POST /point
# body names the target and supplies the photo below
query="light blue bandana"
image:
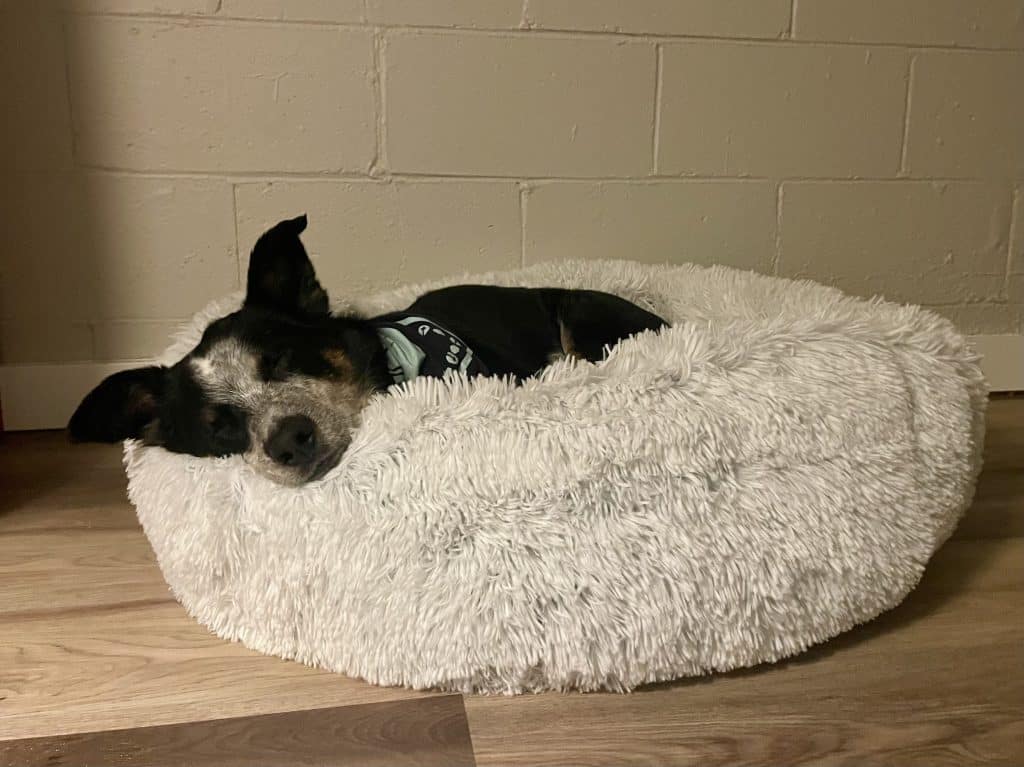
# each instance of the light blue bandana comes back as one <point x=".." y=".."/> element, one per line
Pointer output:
<point x="416" y="346"/>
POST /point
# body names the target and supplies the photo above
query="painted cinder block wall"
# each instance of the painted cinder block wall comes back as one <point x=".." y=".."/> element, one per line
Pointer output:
<point x="874" y="144"/>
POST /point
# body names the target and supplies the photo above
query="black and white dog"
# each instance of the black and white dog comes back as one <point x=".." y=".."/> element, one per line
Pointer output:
<point x="282" y="381"/>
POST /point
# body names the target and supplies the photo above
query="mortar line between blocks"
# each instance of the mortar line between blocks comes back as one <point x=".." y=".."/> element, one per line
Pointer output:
<point x="777" y="255"/>
<point x="265" y="176"/>
<point x="524" y="190"/>
<point x="905" y="138"/>
<point x="1015" y="224"/>
<point x="238" y="251"/>
<point x="380" y="137"/>
<point x="64" y="37"/>
<point x="659" y="67"/>
<point x="524" y="15"/>
<point x="117" y="320"/>
<point x="533" y="32"/>
<point x="965" y="304"/>
<point x="90" y="327"/>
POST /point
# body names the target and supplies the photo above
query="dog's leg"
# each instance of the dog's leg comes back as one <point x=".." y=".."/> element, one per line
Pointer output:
<point x="590" y="321"/>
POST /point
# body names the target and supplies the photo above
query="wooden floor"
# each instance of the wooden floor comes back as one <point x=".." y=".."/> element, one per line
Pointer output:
<point x="100" y="666"/>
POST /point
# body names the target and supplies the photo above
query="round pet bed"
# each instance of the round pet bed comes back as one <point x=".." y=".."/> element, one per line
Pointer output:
<point x="775" y="468"/>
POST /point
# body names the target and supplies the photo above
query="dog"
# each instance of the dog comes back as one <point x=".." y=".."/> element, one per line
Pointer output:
<point x="282" y="381"/>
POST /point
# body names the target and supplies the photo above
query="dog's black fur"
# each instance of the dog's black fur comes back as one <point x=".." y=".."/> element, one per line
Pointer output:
<point x="283" y="345"/>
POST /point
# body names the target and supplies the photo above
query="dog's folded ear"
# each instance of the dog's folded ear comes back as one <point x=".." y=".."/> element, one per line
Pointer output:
<point x="281" y="276"/>
<point x="125" y="405"/>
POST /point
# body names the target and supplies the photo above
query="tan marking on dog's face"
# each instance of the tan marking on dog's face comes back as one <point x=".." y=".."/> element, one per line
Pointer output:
<point x="338" y="360"/>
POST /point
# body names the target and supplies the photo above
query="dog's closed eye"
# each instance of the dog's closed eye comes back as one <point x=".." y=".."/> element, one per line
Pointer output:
<point x="274" y="365"/>
<point x="227" y="427"/>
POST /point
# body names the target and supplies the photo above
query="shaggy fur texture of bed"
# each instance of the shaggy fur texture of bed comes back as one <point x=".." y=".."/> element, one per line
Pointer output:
<point x="772" y="470"/>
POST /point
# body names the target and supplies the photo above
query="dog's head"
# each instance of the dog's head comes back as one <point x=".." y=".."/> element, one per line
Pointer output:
<point x="280" y="381"/>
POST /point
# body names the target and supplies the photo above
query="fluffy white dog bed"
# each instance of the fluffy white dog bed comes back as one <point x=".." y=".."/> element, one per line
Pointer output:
<point x="774" y="469"/>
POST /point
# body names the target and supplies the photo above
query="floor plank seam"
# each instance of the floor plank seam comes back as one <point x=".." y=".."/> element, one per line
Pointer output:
<point x="49" y="613"/>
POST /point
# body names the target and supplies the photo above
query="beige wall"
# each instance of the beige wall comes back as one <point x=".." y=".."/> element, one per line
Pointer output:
<point x="874" y="144"/>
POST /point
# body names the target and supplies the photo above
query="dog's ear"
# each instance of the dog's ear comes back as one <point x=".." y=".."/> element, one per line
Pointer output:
<point x="281" y="276"/>
<point x="125" y="405"/>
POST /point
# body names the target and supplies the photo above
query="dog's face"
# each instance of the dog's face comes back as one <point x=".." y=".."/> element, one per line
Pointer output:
<point x="280" y="381"/>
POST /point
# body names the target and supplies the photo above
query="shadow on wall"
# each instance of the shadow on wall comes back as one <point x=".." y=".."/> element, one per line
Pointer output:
<point x="48" y="270"/>
<point x="92" y="260"/>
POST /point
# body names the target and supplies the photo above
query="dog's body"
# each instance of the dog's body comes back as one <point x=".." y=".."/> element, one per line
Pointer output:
<point x="518" y="331"/>
<point x="282" y="381"/>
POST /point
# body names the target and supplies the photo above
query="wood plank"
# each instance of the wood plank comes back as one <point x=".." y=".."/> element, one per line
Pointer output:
<point x="134" y="666"/>
<point x="1004" y="436"/>
<point x="24" y="448"/>
<point x="972" y="565"/>
<point x="49" y="483"/>
<point x="811" y="735"/>
<point x="52" y="512"/>
<point x="40" y="491"/>
<point x="871" y="736"/>
<point x="57" y="570"/>
<point x="426" y="731"/>
<point x="998" y="508"/>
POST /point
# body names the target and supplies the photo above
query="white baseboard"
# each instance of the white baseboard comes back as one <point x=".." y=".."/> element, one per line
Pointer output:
<point x="44" y="396"/>
<point x="1002" y="359"/>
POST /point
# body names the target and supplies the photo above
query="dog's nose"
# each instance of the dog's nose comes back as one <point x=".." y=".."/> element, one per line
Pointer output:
<point x="292" y="441"/>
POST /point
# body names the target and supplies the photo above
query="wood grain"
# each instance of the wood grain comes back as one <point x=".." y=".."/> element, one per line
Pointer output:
<point x="996" y="511"/>
<point x="139" y="665"/>
<point x="1004" y="437"/>
<point x="46" y="484"/>
<point x="998" y="508"/>
<point x="428" y="731"/>
<point x="91" y="641"/>
<point x="56" y="570"/>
